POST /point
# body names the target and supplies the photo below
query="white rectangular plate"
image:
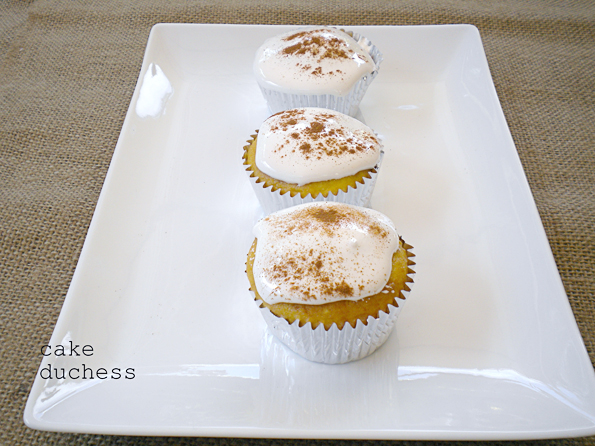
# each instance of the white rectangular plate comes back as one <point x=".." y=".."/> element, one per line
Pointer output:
<point x="486" y="348"/>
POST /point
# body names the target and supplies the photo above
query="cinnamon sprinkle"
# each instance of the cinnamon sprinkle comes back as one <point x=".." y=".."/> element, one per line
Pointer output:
<point x="315" y="44"/>
<point x="312" y="272"/>
<point x="316" y="138"/>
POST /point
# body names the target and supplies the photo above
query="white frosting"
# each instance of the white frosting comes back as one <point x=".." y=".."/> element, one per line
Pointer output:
<point x="317" y="253"/>
<point x="318" y="60"/>
<point x="305" y="145"/>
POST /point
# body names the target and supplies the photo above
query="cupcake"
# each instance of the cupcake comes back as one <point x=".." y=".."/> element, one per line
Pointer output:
<point x="312" y="154"/>
<point x="316" y="67"/>
<point x="330" y="279"/>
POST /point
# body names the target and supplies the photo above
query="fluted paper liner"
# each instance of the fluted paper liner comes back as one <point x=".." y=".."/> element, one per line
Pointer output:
<point x="347" y="104"/>
<point x="338" y="346"/>
<point x="274" y="200"/>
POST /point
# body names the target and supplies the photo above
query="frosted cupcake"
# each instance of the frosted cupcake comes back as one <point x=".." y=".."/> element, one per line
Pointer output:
<point x="330" y="279"/>
<point x="312" y="154"/>
<point x="316" y="67"/>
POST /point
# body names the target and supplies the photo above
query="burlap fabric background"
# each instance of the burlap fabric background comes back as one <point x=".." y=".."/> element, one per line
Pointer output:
<point x="67" y="72"/>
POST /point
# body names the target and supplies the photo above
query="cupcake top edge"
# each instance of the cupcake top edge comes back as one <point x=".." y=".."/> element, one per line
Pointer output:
<point x="313" y="60"/>
<point x="323" y="252"/>
<point x="306" y="145"/>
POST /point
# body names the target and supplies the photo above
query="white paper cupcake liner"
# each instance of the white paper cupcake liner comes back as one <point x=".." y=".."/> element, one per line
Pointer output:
<point x="347" y="104"/>
<point x="334" y="346"/>
<point x="272" y="201"/>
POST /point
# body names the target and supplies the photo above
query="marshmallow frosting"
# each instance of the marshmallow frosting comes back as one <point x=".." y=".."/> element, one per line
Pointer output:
<point x="324" y="252"/>
<point x="305" y="145"/>
<point x="318" y="60"/>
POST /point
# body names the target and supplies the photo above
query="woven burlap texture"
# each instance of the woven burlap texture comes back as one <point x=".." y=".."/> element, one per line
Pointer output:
<point x="67" y="73"/>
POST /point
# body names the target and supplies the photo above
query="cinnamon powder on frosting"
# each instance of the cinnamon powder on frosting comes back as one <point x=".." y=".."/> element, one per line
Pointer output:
<point x="319" y="47"/>
<point x="315" y="44"/>
<point x="316" y="271"/>
<point x="318" y="139"/>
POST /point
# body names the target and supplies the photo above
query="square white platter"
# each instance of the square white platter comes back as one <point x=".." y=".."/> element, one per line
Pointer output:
<point x="486" y="348"/>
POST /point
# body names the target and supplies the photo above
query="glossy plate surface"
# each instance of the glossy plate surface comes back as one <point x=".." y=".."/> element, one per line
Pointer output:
<point x="486" y="348"/>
